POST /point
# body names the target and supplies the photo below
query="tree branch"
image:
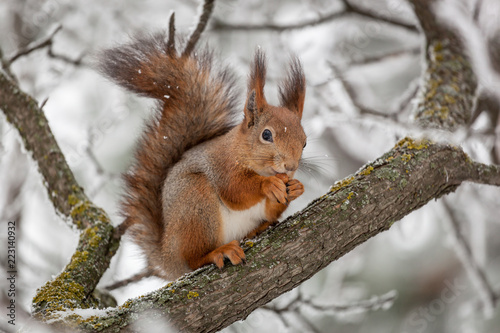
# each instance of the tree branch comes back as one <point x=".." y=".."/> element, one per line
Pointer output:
<point x="382" y="57"/>
<point x="6" y="66"/>
<point x="74" y="286"/>
<point x="47" y="41"/>
<point x="23" y="112"/>
<point x="208" y="7"/>
<point x="6" y="62"/>
<point x="449" y="83"/>
<point x="475" y="272"/>
<point x="354" y="210"/>
<point x="349" y="9"/>
<point x="373" y="303"/>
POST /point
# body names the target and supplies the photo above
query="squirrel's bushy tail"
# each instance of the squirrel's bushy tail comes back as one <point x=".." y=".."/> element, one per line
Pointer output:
<point x="196" y="102"/>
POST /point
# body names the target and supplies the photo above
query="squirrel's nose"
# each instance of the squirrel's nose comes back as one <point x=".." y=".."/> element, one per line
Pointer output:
<point x="291" y="166"/>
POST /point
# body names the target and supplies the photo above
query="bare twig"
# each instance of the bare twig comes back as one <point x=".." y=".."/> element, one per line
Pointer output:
<point x="135" y="278"/>
<point x="355" y="9"/>
<point x="75" y="62"/>
<point x="6" y="67"/>
<point x="349" y="9"/>
<point x="293" y="306"/>
<point x="474" y="271"/>
<point x="171" y="33"/>
<point x="406" y="97"/>
<point x="43" y="103"/>
<point x="477" y="10"/>
<point x="105" y="176"/>
<point x="90" y="153"/>
<point x="351" y="95"/>
<point x="383" y="301"/>
<point x="208" y="7"/>
<point x="382" y="57"/>
<point x="47" y="41"/>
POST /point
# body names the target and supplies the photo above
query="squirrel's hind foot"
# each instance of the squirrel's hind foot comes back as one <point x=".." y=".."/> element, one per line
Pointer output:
<point x="231" y="250"/>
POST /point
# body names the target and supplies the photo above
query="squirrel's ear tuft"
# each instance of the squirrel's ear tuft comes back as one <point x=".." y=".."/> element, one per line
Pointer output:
<point x="250" y="109"/>
<point x="256" y="99"/>
<point x="292" y="91"/>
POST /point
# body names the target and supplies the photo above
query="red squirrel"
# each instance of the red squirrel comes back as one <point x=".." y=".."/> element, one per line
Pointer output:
<point x="200" y="183"/>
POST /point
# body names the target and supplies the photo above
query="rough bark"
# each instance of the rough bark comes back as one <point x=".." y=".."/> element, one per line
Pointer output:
<point x="75" y="285"/>
<point x="448" y="87"/>
<point x="354" y="210"/>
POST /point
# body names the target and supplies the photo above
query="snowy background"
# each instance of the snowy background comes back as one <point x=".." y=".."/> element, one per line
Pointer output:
<point x="362" y="75"/>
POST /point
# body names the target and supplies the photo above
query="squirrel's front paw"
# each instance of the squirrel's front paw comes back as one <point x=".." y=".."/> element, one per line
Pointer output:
<point x="294" y="189"/>
<point x="274" y="189"/>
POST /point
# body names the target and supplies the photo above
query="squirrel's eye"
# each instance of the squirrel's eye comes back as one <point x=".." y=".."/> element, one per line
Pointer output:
<point x="305" y="144"/>
<point x="267" y="135"/>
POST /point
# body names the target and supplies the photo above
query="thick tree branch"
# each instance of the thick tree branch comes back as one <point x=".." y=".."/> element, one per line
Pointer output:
<point x="23" y="112"/>
<point x="448" y="89"/>
<point x="354" y="210"/>
<point x="74" y="286"/>
<point x="447" y="96"/>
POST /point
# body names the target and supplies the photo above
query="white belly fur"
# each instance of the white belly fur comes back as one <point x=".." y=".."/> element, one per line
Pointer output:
<point x="238" y="223"/>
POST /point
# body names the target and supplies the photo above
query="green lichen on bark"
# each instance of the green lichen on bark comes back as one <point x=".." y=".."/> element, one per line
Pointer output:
<point x="448" y="87"/>
<point x="413" y="144"/>
<point x="74" y="287"/>
<point x="336" y="223"/>
<point x="342" y="183"/>
<point x="61" y="294"/>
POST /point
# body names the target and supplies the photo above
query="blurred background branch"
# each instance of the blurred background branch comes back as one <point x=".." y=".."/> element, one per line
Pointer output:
<point x="349" y="9"/>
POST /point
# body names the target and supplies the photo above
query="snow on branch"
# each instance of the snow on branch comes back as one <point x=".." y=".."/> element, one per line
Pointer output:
<point x="400" y="181"/>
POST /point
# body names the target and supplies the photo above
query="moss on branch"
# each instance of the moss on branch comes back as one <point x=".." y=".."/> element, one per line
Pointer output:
<point x="354" y="210"/>
<point x="448" y="85"/>
<point x="74" y="287"/>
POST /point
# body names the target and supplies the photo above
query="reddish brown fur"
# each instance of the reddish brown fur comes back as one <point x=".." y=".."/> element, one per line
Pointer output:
<point x="192" y="163"/>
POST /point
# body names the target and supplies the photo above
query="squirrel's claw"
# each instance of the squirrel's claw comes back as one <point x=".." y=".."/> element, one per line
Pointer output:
<point x="231" y="250"/>
<point x="294" y="189"/>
